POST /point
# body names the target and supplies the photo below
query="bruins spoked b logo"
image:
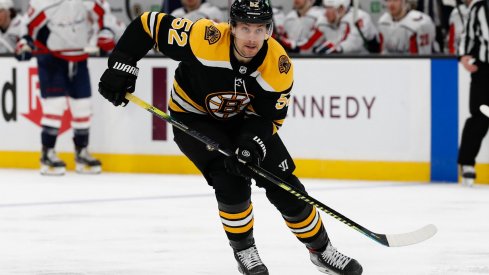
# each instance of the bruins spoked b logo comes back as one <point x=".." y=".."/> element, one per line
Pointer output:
<point x="283" y="64"/>
<point x="212" y="34"/>
<point x="225" y="105"/>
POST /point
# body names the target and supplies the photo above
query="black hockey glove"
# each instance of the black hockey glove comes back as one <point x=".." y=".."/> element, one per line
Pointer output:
<point x="119" y="78"/>
<point x="249" y="151"/>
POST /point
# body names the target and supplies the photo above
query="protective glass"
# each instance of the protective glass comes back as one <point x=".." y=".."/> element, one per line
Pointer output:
<point x="254" y="32"/>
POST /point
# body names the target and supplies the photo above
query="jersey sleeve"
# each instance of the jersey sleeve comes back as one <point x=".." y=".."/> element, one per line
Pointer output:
<point x="351" y="40"/>
<point x="108" y="19"/>
<point x="36" y="21"/>
<point x="267" y="112"/>
<point x="426" y="37"/>
<point x="367" y="26"/>
<point x="98" y="12"/>
<point x="102" y="20"/>
<point x="168" y="34"/>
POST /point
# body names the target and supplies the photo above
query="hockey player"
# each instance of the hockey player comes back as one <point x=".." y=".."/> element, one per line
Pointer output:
<point x="11" y="25"/>
<point x="195" y="9"/>
<point x="233" y="85"/>
<point x="300" y="27"/>
<point x="346" y="30"/>
<point x="62" y="29"/>
<point x="456" y="26"/>
<point x="406" y="31"/>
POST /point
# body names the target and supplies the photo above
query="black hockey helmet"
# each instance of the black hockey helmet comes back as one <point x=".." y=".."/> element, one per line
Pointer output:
<point x="251" y="11"/>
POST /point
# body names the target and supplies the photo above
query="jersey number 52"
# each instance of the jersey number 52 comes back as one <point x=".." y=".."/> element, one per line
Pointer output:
<point x="180" y="38"/>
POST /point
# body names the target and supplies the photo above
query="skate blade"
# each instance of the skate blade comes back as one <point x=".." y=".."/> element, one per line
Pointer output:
<point x="52" y="171"/>
<point x="88" y="170"/>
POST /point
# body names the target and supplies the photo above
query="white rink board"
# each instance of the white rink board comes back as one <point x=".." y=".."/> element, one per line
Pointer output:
<point x="398" y="127"/>
<point x="114" y="130"/>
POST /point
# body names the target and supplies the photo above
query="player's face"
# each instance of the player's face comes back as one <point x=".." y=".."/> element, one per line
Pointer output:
<point x="300" y="4"/>
<point x="4" y="18"/>
<point x="191" y="4"/>
<point x="249" y="38"/>
<point x="331" y="14"/>
<point x="395" y="7"/>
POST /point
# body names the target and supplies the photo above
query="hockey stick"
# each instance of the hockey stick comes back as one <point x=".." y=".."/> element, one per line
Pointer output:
<point x="484" y="109"/>
<point x="86" y="50"/>
<point x="390" y="240"/>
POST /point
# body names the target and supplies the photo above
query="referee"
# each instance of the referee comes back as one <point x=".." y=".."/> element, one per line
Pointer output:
<point x="474" y="52"/>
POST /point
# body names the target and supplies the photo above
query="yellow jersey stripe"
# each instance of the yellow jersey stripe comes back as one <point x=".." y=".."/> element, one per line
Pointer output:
<point x="144" y="21"/>
<point x="175" y="107"/>
<point x="305" y="222"/>
<point x="238" y="230"/>
<point x="185" y="97"/>
<point x="236" y="216"/>
<point x="312" y="232"/>
<point x="158" y="22"/>
<point x="279" y="122"/>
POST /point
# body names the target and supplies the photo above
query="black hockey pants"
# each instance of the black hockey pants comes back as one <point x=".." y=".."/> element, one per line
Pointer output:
<point x="477" y="124"/>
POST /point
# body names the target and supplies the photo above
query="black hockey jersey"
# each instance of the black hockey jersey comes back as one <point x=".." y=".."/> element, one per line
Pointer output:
<point x="209" y="80"/>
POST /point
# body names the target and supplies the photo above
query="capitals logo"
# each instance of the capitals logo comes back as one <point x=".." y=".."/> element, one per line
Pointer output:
<point x="224" y="105"/>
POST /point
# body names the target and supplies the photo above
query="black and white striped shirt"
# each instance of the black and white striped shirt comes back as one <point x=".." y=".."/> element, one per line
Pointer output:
<point x="475" y="39"/>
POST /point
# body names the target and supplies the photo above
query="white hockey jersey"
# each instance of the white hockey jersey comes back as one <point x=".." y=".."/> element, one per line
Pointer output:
<point x="206" y="10"/>
<point x="413" y="34"/>
<point x="9" y="38"/>
<point x="347" y="36"/>
<point x="279" y="21"/>
<point x="457" y="19"/>
<point x="69" y="25"/>
<point x="300" y="28"/>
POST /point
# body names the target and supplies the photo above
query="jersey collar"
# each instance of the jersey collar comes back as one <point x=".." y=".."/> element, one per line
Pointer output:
<point x="245" y="69"/>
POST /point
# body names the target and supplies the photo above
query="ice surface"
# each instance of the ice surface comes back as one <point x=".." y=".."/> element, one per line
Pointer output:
<point x="125" y="224"/>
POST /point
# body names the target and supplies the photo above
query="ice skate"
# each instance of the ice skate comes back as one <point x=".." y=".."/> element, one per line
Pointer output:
<point x="468" y="175"/>
<point x="51" y="164"/>
<point x="330" y="261"/>
<point x="249" y="262"/>
<point x="85" y="163"/>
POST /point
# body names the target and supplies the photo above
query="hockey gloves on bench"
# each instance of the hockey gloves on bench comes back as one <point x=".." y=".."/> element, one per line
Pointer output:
<point x="119" y="78"/>
<point x="249" y="151"/>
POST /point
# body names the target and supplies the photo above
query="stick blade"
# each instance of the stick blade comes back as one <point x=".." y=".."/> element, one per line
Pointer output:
<point x="420" y="235"/>
<point x="485" y="110"/>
